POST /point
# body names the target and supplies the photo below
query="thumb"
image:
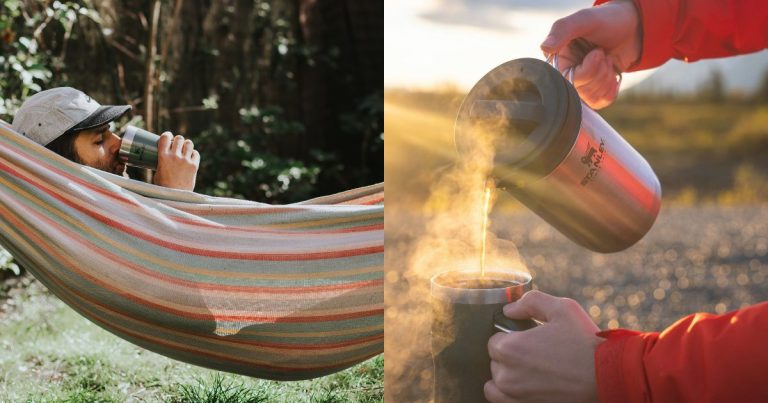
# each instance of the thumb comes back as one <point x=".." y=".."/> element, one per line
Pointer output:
<point x="568" y="28"/>
<point x="533" y="305"/>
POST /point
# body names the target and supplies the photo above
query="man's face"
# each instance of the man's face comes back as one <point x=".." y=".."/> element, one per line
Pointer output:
<point x="98" y="148"/>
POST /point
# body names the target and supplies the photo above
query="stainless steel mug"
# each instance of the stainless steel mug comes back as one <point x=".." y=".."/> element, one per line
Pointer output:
<point x="139" y="148"/>
<point x="558" y="157"/>
<point x="466" y="312"/>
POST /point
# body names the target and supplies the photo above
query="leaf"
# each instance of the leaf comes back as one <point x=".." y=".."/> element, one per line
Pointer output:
<point x="26" y="77"/>
<point x="25" y="41"/>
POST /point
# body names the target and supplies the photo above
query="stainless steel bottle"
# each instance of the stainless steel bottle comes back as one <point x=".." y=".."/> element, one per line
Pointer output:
<point x="139" y="148"/>
<point x="559" y="157"/>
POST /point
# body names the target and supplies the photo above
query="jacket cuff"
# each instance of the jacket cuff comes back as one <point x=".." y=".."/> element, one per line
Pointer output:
<point x="657" y="22"/>
<point x="657" y="19"/>
<point x="619" y="369"/>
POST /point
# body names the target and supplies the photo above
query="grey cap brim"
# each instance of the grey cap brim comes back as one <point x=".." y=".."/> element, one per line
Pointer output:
<point x="103" y="115"/>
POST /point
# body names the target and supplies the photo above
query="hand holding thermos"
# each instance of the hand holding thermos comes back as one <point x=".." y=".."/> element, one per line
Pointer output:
<point x="598" y="42"/>
<point x="177" y="162"/>
<point x="172" y="157"/>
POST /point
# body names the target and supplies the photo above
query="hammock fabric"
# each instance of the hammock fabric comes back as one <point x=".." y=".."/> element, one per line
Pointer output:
<point x="278" y="292"/>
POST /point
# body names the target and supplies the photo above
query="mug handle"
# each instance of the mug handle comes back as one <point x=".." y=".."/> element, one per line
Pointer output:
<point x="507" y="325"/>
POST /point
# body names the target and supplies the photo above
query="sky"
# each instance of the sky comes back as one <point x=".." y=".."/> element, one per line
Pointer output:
<point x="435" y="43"/>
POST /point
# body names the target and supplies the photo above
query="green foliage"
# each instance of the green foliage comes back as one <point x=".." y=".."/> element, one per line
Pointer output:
<point x="248" y="56"/>
<point x="366" y="122"/>
<point x="27" y="62"/>
<point x="26" y="66"/>
<point x="22" y="67"/>
<point x="242" y="166"/>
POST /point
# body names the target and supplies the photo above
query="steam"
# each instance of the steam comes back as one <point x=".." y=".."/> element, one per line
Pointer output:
<point x="444" y="235"/>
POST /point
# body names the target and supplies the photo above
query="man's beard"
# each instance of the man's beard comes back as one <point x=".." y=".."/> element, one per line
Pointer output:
<point x="115" y="167"/>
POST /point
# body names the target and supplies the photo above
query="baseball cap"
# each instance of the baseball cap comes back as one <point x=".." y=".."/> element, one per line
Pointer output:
<point x="47" y="115"/>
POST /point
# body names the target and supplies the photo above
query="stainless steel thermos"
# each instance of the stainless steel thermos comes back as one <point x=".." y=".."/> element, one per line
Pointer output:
<point x="466" y="312"/>
<point x="559" y="157"/>
<point x="139" y="148"/>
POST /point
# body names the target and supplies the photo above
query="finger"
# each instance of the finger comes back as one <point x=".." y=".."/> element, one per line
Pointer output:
<point x="597" y="103"/>
<point x="187" y="148"/>
<point x="505" y="380"/>
<point x="567" y="58"/>
<point x="494" y="394"/>
<point x="601" y="91"/>
<point x="612" y="75"/>
<point x="596" y="94"/>
<point x="165" y="141"/>
<point x="591" y="68"/>
<point x="534" y="304"/>
<point x="615" y="79"/>
<point x="498" y="372"/>
<point x="566" y="29"/>
<point x="178" y="142"/>
<point x="501" y="346"/>
<point x="195" y="156"/>
<point x="607" y="94"/>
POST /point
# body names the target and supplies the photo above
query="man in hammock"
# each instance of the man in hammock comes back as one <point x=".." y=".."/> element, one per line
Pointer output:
<point x="75" y="126"/>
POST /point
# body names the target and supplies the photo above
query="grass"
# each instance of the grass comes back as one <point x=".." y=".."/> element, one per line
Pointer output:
<point x="48" y="353"/>
<point x="218" y="390"/>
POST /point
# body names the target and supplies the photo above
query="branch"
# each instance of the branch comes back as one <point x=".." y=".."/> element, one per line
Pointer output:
<point x="149" y="86"/>
<point x="124" y="50"/>
<point x="39" y="31"/>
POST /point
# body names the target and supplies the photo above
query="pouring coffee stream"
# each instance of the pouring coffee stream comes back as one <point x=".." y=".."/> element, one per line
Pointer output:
<point x="489" y="188"/>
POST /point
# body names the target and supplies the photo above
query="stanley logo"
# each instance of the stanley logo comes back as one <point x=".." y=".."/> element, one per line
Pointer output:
<point x="593" y="158"/>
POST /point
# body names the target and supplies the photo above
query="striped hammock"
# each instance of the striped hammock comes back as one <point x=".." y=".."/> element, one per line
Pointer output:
<point x="277" y="292"/>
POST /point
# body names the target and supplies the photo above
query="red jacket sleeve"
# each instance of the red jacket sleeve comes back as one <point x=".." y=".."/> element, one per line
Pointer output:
<point x="698" y="29"/>
<point x="701" y="358"/>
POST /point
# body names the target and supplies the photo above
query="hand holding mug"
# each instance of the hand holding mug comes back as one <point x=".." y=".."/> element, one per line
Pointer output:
<point x="552" y="362"/>
<point x="177" y="163"/>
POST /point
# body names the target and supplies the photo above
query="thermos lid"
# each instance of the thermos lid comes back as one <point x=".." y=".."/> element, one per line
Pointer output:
<point x="468" y="287"/>
<point x="532" y="112"/>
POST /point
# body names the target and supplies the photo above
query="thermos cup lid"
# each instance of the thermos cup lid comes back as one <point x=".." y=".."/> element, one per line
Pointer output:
<point x="530" y="109"/>
<point x="468" y="287"/>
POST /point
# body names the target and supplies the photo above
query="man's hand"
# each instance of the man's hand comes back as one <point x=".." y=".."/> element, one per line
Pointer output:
<point x="613" y="36"/>
<point x="553" y="362"/>
<point x="177" y="162"/>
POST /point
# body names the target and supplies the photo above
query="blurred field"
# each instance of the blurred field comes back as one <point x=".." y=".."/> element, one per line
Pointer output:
<point x="701" y="152"/>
